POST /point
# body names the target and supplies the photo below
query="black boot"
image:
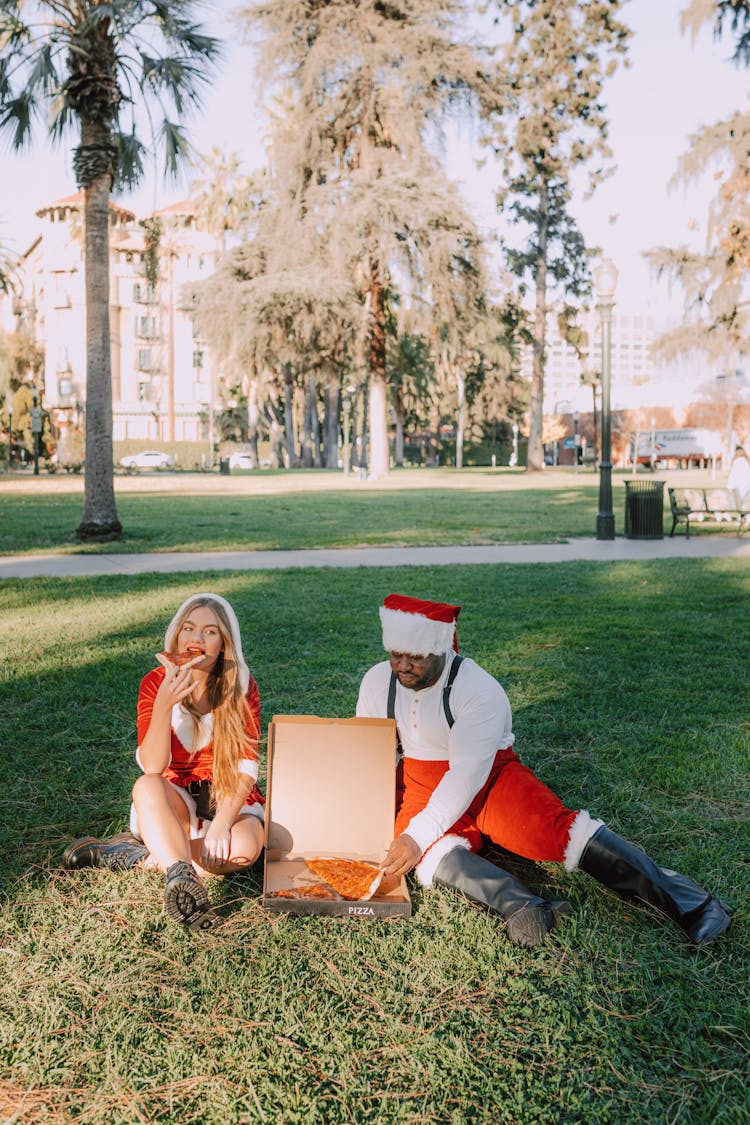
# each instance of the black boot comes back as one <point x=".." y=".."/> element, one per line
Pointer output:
<point x="120" y="853"/>
<point x="528" y="917"/>
<point x="623" y="867"/>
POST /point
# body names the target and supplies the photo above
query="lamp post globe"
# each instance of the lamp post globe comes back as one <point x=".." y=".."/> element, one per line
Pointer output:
<point x="605" y="284"/>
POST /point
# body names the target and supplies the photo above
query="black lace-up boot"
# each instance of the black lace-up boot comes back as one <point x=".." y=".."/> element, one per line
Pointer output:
<point x="119" y="853"/>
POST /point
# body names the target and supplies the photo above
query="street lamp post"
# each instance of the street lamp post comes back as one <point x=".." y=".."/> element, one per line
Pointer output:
<point x="605" y="283"/>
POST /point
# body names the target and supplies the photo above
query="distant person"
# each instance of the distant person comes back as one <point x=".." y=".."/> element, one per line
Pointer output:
<point x="461" y="784"/>
<point x="196" y="808"/>
<point x="739" y="474"/>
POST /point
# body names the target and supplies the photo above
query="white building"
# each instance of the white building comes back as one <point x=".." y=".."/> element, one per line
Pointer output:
<point x="638" y="379"/>
<point x="164" y="384"/>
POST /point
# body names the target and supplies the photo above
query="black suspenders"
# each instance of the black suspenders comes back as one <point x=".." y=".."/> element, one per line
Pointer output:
<point x="457" y="660"/>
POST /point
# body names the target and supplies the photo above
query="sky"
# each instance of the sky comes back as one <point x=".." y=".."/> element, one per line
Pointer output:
<point x="672" y="87"/>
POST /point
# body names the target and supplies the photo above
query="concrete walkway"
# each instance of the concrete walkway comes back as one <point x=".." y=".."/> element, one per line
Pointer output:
<point x="576" y="550"/>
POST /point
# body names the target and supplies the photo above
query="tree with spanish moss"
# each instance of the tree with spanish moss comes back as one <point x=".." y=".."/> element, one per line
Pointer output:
<point x="88" y="67"/>
<point x="360" y="200"/>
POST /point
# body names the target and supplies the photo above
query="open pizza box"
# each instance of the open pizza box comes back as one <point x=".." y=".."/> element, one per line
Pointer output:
<point x="330" y="795"/>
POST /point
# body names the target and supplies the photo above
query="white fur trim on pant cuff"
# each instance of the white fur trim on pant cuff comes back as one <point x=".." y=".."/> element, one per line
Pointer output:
<point x="581" y="830"/>
<point x="430" y="861"/>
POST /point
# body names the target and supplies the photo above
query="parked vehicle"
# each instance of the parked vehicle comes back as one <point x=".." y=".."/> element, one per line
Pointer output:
<point x="147" y="459"/>
<point x="241" y="461"/>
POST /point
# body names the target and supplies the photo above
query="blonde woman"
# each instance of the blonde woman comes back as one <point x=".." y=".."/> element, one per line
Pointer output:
<point x="196" y="807"/>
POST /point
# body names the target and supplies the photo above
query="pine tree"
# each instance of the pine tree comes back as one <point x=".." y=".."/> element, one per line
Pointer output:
<point x="548" y="124"/>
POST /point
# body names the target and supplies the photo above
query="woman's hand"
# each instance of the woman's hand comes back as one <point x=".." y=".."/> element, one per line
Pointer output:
<point x="216" y="844"/>
<point x="177" y="684"/>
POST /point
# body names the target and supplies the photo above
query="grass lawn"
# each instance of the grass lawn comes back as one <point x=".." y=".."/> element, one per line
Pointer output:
<point x="630" y="697"/>
<point x="268" y="511"/>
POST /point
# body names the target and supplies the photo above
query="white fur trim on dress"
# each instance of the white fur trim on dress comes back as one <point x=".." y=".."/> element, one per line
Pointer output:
<point x="184" y="728"/>
<point x="170" y="638"/>
<point x="414" y="633"/>
<point x="581" y="830"/>
<point x="430" y="861"/>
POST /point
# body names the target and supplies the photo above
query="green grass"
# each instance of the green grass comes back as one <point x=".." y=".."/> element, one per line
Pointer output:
<point x="166" y="522"/>
<point x="630" y="697"/>
<point x="267" y="511"/>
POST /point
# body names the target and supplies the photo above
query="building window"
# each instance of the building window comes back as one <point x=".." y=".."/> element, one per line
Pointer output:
<point x="197" y="359"/>
<point x="136" y="293"/>
<point x="144" y="359"/>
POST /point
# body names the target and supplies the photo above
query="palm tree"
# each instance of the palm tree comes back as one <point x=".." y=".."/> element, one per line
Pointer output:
<point x="83" y="66"/>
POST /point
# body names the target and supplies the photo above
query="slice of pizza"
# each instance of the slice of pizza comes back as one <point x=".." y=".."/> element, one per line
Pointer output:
<point x="176" y="658"/>
<point x="314" y="892"/>
<point x="351" y="878"/>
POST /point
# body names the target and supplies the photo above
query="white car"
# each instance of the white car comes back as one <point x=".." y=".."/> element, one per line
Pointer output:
<point x="147" y="459"/>
<point x="241" y="461"/>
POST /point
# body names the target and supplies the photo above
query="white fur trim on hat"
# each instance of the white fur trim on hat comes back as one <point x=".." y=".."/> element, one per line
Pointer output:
<point x="414" y="633"/>
<point x="170" y="639"/>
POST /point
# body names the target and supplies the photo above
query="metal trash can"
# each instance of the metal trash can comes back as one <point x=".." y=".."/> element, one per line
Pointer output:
<point x="644" y="509"/>
<point x="224" y="466"/>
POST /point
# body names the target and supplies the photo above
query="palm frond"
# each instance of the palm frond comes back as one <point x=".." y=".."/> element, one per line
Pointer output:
<point x="17" y="119"/>
<point x="130" y="154"/>
<point x="176" y="147"/>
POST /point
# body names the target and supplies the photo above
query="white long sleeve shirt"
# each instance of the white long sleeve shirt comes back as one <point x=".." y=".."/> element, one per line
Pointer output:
<point x="483" y="725"/>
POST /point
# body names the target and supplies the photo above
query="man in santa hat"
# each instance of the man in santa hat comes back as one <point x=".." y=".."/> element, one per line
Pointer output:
<point x="460" y="783"/>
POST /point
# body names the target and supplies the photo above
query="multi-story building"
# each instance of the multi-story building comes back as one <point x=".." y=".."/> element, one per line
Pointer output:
<point x="164" y="384"/>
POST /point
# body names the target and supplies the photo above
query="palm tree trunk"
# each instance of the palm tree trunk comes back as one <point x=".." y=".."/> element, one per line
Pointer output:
<point x="379" y="459"/>
<point x="291" y="452"/>
<point x="331" y="423"/>
<point x="398" y="407"/>
<point x="99" y="509"/>
<point x="535" y="453"/>
<point x="461" y="418"/>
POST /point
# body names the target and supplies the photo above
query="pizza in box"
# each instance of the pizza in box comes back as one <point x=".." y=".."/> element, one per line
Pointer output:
<point x="350" y="878"/>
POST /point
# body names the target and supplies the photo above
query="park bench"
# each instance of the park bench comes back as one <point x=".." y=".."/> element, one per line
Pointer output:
<point x="717" y="505"/>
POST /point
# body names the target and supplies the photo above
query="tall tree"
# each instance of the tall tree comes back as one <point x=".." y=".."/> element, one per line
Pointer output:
<point x="361" y="199"/>
<point x="715" y="277"/>
<point x="84" y="66"/>
<point x="548" y="124"/>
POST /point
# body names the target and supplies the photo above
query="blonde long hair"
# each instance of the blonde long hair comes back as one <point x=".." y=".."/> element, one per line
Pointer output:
<point x="226" y="697"/>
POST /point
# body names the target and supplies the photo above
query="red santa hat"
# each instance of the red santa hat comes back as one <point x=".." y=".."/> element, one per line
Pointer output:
<point x="418" y="627"/>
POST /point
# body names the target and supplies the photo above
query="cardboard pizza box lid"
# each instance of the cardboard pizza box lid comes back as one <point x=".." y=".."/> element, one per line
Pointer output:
<point x="331" y="787"/>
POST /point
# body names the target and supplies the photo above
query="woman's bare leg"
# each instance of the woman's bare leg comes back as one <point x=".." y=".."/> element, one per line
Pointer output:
<point x="163" y="821"/>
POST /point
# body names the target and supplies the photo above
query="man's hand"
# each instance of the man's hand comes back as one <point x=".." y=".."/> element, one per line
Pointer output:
<point x="403" y="854"/>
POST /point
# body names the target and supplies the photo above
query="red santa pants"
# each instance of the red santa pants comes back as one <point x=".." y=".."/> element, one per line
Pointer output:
<point x="514" y="808"/>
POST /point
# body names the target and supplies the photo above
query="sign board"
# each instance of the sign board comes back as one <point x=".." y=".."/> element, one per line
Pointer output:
<point x="36" y="420"/>
<point x="662" y="444"/>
